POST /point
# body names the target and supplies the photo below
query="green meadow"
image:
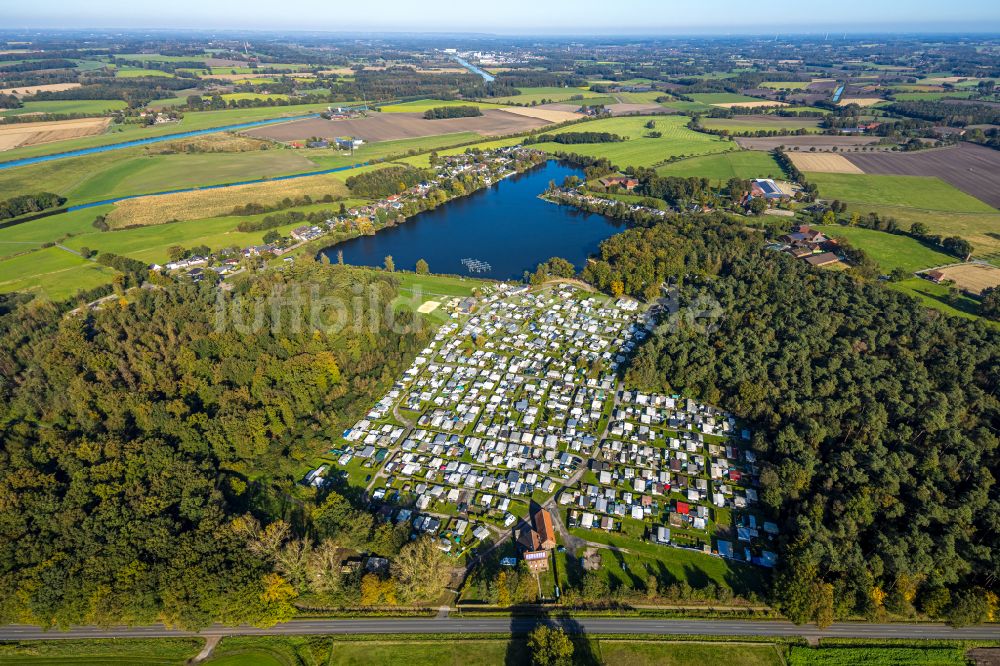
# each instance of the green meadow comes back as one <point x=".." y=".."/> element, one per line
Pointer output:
<point x="722" y="98"/>
<point x="722" y="167"/>
<point x="640" y="150"/>
<point x="195" y="120"/>
<point x="920" y="192"/>
<point x="90" y="107"/>
<point x="752" y="124"/>
<point x="890" y="250"/>
<point x="538" y="94"/>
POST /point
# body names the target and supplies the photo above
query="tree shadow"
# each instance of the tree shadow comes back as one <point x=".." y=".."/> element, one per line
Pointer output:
<point x="521" y="625"/>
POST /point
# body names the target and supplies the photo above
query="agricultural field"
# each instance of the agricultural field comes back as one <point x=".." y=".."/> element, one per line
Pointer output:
<point x="640" y="150"/>
<point x="16" y="137"/>
<point x="722" y="167"/>
<point x="145" y="211"/>
<point x="807" y="143"/>
<point x="101" y="652"/>
<point x="394" y="126"/>
<point x="823" y="162"/>
<point x="550" y="94"/>
<point x="72" y="106"/>
<point x="421" y="105"/>
<point x="760" y="122"/>
<point x="137" y="72"/>
<point x="890" y="250"/>
<point x="973" y="169"/>
<point x="786" y="85"/>
<point x="972" y="277"/>
<point x="195" y="120"/>
<point x="716" y="99"/>
<point x="255" y="96"/>
<point x="921" y="192"/>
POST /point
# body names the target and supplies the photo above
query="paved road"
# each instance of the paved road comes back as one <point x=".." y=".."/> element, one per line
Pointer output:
<point x="520" y="625"/>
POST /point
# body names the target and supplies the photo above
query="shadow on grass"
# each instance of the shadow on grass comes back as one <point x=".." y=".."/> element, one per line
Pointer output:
<point x="518" y="653"/>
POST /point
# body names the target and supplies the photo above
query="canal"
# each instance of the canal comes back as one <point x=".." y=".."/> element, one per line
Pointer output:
<point x="505" y="225"/>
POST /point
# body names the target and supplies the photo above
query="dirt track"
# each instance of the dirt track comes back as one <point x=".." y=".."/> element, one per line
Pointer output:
<point x="973" y="169"/>
<point x="392" y="126"/>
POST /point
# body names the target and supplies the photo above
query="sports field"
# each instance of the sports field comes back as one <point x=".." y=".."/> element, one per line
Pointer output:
<point x="640" y="150"/>
<point x="722" y="167"/>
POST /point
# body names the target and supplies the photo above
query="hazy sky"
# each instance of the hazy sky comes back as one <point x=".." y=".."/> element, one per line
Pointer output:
<point x="513" y="16"/>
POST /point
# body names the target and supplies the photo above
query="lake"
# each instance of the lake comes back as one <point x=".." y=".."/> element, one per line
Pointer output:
<point x="505" y="225"/>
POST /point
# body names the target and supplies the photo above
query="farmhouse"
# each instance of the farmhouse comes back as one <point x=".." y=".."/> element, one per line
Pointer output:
<point x="619" y="181"/>
<point x="822" y="259"/>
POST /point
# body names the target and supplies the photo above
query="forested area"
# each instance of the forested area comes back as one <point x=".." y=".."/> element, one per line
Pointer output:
<point x="383" y="182"/>
<point x="149" y="451"/>
<point x="461" y="111"/>
<point x="875" y="418"/>
<point x="570" y="138"/>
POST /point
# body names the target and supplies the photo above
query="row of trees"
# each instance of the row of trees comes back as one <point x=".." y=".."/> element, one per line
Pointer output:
<point x="29" y="203"/>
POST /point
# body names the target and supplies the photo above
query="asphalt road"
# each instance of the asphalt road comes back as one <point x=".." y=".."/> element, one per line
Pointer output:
<point x="521" y="625"/>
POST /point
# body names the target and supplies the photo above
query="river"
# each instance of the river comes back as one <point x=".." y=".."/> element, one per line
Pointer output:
<point x="505" y="225"/>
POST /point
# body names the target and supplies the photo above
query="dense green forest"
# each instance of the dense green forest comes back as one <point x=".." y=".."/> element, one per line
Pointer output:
<point x="383" y="182"/>
<point x="462" y="111"/>
<point x="875" y="418"/>
<point x="149" y="451"/>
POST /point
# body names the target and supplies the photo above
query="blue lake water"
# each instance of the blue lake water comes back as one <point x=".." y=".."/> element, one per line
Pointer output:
<point x="505" y="225"/>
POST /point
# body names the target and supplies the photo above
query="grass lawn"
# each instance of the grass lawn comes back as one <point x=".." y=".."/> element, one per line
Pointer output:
<point x="938" y="296"/>
<point x="744" y="124"/>
<point x="722" y="167"/>
<point x="52" y="273"/>
<point x="670" y="565"/>
<point x="921" y="192"/>
<point x="671" y="653"/>
<point x="101" y="651"/>
<point x="93" y="107"/>
<point x="31" y="235"/>
<point x="421" y="105"/>
<point x="723" y="98"/>
<point x="640" y="150"/>
<point x="890" y="250"/>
